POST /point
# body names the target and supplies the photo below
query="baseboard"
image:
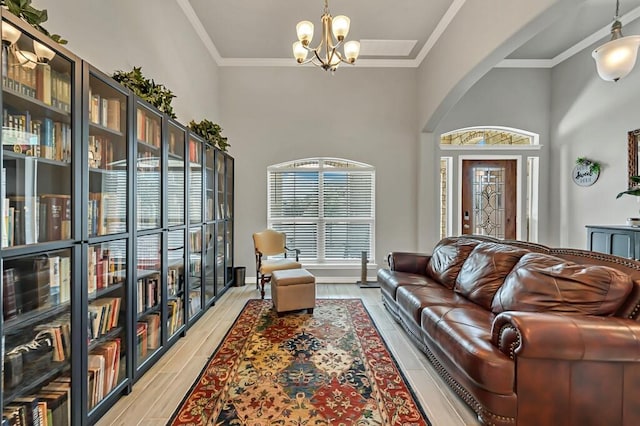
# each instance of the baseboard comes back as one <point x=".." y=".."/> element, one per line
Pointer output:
<point x="323" y="280"/>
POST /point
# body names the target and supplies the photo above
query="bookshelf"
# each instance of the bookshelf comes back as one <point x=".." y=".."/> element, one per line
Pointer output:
<point x="40" y="238"/>
<point x="111" y="241"/>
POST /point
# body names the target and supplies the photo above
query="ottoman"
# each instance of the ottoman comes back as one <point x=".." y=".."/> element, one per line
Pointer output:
<point x="292" y="290"/>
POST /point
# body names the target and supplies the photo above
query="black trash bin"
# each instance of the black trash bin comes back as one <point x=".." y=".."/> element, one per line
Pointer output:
<point x="239" y="273"/>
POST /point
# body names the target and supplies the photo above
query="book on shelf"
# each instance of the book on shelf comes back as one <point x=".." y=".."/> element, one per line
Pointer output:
<point x="57" y="394"/>
<point x="141" y="339"/>
<point x="110" y="352"/>
<point x="195" y="304"/>
<point x="153" y="330"/>
<point x="9" y="303"/>
<point x="43" y="83"/>
<point x="30" y="404"/>
<point x="174" y="315"/>
<point x="194" y="152"/>
<point x="54" y="217"/>
<point x="105" y="314"/>
<point x="97" y="364"/>
<point x="25" y="220"/>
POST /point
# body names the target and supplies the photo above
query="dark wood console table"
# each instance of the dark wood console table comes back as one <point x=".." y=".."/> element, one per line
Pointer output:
<point x="619" y="240"/>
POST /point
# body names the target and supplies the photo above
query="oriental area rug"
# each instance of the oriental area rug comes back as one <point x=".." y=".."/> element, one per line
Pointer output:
<point x="327" y="368"/>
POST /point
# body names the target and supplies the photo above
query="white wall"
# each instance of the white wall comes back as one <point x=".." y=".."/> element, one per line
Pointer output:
<point x="590" y="118"/>
<point x="272" y="115"/>
<point x="154" y="34"/>
<point x="463" y="53"/>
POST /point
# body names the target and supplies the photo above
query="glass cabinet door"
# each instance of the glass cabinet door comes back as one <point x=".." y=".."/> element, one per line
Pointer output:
<point x="37" y="331"/>
<point x="195" y="180"/>
<point x="106" y="321"/>
<point x="36" y="142"/>
<point x="148" y="172"/>
<point x="195" y="271"/>
<point x="175" y="176"/>
<point x="209" y="263"/>
<point x="107" y="158"/>
<point x="148" y="297"/>
<point x="220" y="255"/>
<point x="210" y="183"/>
<point x="228" y="248"/>
<point x="175" y="282"/>
<point x="220" y="187"/>
<point x="229" y="187"/>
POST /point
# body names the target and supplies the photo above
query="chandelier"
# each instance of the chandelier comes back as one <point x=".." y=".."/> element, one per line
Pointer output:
<point x="326" y="55"/>
<point x="616" y="58"/>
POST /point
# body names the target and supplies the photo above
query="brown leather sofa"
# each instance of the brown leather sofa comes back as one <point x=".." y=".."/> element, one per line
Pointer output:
<point x="523" y="333"/>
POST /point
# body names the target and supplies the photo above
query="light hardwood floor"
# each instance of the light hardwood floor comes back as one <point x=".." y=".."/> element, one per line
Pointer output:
<point x="157" y="394"/>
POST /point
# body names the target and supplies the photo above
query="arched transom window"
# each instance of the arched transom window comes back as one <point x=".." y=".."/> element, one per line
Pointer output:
<point x="488" y="136"/>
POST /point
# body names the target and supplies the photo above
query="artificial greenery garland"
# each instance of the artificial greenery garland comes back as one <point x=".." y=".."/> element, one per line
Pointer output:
<point x="210" y="132"/>
<point x="156" y="94"/>
<point x="594" y="166"/>
<point x="35" y="17"/>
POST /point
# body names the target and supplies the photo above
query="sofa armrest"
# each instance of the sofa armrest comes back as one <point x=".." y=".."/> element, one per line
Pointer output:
<point x="553" y="336"/>
<point x="415" y="263"/>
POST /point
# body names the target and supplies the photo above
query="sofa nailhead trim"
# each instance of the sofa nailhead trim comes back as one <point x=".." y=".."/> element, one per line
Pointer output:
<point x="484" y="415"/>
<point x="514" y="345"/>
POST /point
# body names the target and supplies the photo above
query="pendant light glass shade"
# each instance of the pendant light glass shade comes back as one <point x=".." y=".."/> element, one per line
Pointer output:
<point x="340" y="27"/>
<point x="299" y="52"/>
<point x="304" y="29"/>
<point x="616" y="58"/>
<point x="352" y="50"/>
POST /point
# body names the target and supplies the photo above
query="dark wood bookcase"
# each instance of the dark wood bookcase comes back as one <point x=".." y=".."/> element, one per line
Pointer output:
<point x="117" y="232"/>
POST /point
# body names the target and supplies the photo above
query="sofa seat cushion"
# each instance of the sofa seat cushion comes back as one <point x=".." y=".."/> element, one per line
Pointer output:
<point x="414" y="298"/>
<point x="464" y="335"/>
<point x="543" y="283"/>
<point x="390" y="281"/>
<point x="447" y="259"/>
<point x="484" y="271"/>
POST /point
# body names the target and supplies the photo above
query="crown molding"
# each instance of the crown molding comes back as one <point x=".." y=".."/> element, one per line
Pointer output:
<point x="185" y="5"/>
<point x="290" y="62"/>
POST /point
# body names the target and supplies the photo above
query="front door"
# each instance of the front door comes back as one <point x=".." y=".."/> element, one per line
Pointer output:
<point x="489" y="198"/>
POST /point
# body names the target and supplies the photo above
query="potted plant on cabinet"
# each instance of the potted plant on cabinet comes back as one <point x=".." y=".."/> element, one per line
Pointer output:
<point x="211" y="132"/>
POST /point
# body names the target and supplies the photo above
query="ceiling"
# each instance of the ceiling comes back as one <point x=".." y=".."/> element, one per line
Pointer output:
<point x="392" y="33"/>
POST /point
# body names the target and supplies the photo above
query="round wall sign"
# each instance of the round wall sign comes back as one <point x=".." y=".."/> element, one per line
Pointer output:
<point x="583" y="175"/>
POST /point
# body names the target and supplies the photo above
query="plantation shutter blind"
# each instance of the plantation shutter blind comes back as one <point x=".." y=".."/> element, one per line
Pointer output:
<point x="348" y="196"/>
<point x="293" y="196"/>
<point x="325" y="207"/>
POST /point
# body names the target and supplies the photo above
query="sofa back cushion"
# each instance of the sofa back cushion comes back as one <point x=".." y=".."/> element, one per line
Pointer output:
<point x="447" y="259"/>
<point x="484" y="271"/>
<point x="544" y="283"/>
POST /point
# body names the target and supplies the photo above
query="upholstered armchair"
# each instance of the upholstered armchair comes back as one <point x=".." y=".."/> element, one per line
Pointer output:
<point x="272" y="243"/>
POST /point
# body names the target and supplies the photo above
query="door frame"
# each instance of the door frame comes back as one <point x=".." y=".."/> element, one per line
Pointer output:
<point x="485" y="157"/>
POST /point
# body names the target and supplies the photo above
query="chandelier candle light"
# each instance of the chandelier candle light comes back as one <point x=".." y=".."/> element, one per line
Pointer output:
<point x="326" y="55"/>
<point x="616" y="58"/>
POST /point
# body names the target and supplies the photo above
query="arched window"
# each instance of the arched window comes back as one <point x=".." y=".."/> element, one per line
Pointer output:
<point x="326" y="206"/>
